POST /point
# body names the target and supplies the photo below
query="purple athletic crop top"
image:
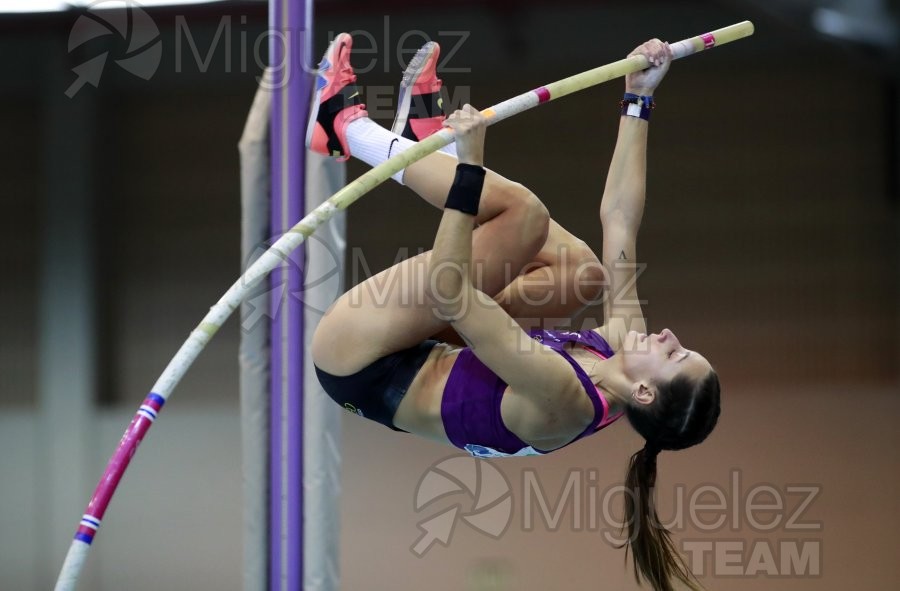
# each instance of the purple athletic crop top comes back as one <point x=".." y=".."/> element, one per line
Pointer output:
<point x="470" y="407"/>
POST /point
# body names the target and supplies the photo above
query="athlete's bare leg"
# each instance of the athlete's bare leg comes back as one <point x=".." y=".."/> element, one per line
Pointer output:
<point x="541" y="275"/>
<point x="563" y="278"/>
<point x="391" y="312"/>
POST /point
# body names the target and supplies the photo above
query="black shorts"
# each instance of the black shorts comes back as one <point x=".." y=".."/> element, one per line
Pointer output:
<point x="375" y="391"/>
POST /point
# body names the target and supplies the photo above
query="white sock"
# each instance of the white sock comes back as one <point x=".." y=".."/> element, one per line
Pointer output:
<point x="371" y="143"/>
<point x="374" y="144"/>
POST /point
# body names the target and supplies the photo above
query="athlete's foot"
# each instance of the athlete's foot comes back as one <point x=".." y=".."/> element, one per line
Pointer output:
<point x="336" y="103"/>
<point x="420" y="107"/>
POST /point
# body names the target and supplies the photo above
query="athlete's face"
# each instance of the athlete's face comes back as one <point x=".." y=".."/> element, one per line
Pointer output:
<point x="659" y="358"/>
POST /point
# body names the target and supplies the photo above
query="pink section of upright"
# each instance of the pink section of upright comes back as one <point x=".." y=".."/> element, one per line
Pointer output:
<point x="709" y="40"/>
<point x="119" y="462"/>
<point x="543" y="94"/>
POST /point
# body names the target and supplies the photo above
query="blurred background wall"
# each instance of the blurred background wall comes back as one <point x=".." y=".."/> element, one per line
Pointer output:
<point x="771" y="239"/>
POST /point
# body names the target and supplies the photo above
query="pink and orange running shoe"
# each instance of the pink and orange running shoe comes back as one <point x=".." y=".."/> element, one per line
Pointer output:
<point x="420" y="110"/>
<point x="336" y="103"/>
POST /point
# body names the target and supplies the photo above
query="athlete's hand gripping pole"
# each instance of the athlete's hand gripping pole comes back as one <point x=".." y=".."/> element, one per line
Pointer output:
<point x="278" y="253"/>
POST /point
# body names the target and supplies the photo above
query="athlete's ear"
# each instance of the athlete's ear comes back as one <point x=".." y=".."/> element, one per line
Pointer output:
<point x="641" y="393"/>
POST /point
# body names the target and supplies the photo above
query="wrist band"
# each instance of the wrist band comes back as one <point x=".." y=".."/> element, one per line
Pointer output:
<point x="637" y="106"/>
<point x="465" y="193"/>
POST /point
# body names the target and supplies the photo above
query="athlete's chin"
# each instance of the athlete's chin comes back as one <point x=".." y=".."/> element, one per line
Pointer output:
<point x="636" y="341"/>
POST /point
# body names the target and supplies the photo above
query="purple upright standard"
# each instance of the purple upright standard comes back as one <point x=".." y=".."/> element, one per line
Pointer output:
<point x="289" y="50"/>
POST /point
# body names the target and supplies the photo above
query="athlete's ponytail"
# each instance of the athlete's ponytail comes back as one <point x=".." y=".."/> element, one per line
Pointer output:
<point x="655" y="557"/>
<point x="682" y="415"/>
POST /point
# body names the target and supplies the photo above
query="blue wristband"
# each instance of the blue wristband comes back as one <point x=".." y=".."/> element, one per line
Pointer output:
<point x="637" y="106"/>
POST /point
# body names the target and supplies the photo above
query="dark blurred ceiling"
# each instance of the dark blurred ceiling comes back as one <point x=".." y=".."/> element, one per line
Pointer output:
<point x="873" y="25"/>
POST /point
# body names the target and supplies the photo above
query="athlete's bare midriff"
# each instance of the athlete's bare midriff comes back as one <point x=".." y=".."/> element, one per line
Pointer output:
<point x="420" y="410"/>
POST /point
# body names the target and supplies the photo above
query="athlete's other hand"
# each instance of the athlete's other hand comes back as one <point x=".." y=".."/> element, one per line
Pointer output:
<point x="468" y="125"/>
<point x="644" y="83"/>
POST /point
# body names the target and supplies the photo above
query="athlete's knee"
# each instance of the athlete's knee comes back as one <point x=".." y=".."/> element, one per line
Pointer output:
<point x="584" y="270"/>
<point x="532" y="216"/>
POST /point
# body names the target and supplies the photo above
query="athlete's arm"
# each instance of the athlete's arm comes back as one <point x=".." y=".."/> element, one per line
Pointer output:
<point x="622" y="206"/>
<point x="546" y="391"/>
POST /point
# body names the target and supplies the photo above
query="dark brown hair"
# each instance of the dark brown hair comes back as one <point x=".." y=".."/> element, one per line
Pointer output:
<point x="682" y="414"/>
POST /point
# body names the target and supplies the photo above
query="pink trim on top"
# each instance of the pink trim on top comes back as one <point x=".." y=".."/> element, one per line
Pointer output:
<point x="606" y="420"/>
